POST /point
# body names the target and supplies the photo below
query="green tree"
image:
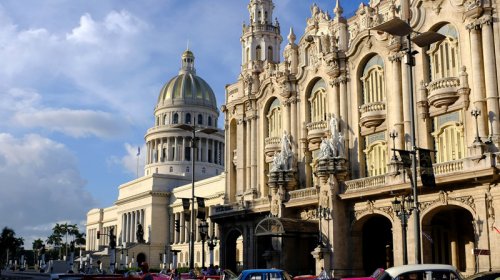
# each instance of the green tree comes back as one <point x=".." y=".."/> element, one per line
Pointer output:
<point x="9" y="243"/>
<point x="65" y="230"/>
<point x="37" y="246"/>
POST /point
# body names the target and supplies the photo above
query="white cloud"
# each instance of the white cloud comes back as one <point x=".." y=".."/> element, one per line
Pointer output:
<point x="40" y="185"/>
<point x="132" y="163"/>
<point x="75" y="123"/>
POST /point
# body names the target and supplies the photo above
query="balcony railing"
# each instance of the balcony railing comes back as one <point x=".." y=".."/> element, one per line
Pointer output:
<point x="448" y="167"/>
<point x="363" y="184"/>
<point x="372" y="114"/>
<point x="304" y="193"/>
<point x="443" y="92"/>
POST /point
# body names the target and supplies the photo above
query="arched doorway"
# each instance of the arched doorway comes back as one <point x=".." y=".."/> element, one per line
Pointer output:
<point x="141" y="257"/>
<point x="376" y="243"/>
<point x="234" y="250"/>
<point x="448" y="237"/>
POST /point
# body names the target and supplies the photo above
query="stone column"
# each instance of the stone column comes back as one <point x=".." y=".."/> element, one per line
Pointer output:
<point x="490" y="75"/>
<point x="248" y="152"/>
<point x="240" y="168"/>
<point x="253" y="155"/>
<point x="395" y="103"/>
<point x="344" y="111"/>
<point x="182" y="230"/>
<point x="286" y="119"/>
<point x="168" y="149"/>
<point x="183" y="150"/>
<point x="405" y="86"/>
<point x="477" y="77"/>
<point x="293" y="124"/>
<point x="176" y="149"/>
<point x="335" y="100"/>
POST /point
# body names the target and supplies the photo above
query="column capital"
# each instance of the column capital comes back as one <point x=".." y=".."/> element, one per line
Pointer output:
<point x="396" y="57"/>
<point x="479" y="22"/>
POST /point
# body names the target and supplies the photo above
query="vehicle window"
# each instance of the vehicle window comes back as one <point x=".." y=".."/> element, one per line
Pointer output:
<point x="273" y="276"/>
<point x="443" y="275"/>
<point x="415" y="275"/>
<point x="255" y="276"/>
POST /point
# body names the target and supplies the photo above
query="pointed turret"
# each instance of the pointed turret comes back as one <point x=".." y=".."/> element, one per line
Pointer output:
<point x="341" y="22"/>
<point x="261" y="38"/>
<point x="291" y="52"/>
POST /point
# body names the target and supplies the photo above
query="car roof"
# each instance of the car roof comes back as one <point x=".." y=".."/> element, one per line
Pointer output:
<point x="397" y="270"/>
<point x="263" y="270"/>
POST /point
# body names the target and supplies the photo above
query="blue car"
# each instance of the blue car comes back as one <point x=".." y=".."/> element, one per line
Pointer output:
<point x="264" y="274"/>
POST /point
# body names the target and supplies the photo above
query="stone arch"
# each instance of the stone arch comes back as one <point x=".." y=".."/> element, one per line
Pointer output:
<point x="372" y="241"/>
<point x="231" y="247"/>
<point x="441" y="221"/>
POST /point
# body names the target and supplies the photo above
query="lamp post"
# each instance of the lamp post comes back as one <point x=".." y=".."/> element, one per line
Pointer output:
<point x="476" y="113"/>
<point x="192" y="226"/>
<point x="398" y="27"/>
<point x="212" y="242"/>
<point x="403" y="211"/>
<point x="394" y="134"/>
<point x="203" y="227"/>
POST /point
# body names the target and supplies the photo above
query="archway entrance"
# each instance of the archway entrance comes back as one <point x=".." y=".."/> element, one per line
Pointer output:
<point x="234" y="251"/>
<point x="448" y="237"/>
<point x="141" y="257"/>
<point x="377" y="244"/>
<point x="287" y="244"/>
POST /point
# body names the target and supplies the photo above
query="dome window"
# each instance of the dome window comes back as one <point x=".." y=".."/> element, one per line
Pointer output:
<point x="200" y="119"/>
<point x="188" y="118"/>
<point x="209" y="121"/>
<point x="176" y="118"/>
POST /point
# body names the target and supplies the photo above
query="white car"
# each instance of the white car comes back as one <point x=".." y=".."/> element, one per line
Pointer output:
<point x="421" y="272"/>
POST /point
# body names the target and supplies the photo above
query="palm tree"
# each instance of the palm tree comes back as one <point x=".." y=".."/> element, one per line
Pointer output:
<point x="37" y="246"/>
<point x="56" y="237"/>
<point x="9" y="242"/>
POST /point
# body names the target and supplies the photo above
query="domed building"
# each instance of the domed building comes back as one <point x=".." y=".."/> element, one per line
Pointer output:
<point x="144" y="216"/>
<point x="185" y="99"/>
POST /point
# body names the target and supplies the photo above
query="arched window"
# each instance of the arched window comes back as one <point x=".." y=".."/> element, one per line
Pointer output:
<point x="188" y="118"/>
<point x="376" y="154"/>
<point x="318" y="102"/>
<point x="449" y="137"/>
<point x="187" y="169"/>
<point x="373" y="81"/>
<point x="209" y="121"/>
<point x="171" y="169"/>
<point x="274" y="119"/>
<point x="165" y="120"/>
<point x="258" y="53"/>
<point x="444" y="55"/>
<point x="203" y="170"/>
<point x="270" y="53"/>
<point x="176" y="118"/>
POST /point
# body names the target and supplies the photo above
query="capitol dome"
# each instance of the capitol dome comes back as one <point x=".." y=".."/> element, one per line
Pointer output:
<point x="187" y="88"/>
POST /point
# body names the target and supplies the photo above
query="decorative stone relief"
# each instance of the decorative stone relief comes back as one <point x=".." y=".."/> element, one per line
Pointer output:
<point x="444" y="199"/>
<point x="370" y="209"/>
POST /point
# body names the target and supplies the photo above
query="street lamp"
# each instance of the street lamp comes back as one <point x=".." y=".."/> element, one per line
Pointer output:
<point x="403" y="211"/>
<point x="203" y="227"/>
<point x="192" y="226"/>
<point x="476" y="113"/>
<point x="398" y="27"/>
<point x="212" y="242"/>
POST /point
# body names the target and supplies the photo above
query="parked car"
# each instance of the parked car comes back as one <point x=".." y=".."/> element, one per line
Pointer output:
<point x="421" y="272"/>
<point x="264" y="274"/>
<point x="486" y="275"/>
<point x="378" y="273"/>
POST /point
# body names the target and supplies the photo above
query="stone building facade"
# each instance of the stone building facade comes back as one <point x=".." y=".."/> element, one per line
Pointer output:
<point x="311" y="174"/>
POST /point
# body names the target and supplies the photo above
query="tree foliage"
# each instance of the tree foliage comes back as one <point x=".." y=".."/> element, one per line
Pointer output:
<point x="9" y="244"/>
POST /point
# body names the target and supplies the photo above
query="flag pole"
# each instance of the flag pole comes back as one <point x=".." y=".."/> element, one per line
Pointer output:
<point x="137" y="165"/>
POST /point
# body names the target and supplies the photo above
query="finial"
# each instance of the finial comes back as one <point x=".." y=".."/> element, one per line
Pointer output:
<point x="187" y="45"/>
<point x="291" y="37"/>
<point x="338" y="9"/>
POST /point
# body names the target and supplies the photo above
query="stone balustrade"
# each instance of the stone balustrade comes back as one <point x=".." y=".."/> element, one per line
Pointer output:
<point x="303" y="193"/>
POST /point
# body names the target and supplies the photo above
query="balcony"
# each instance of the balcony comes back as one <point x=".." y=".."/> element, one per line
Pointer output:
<point x="303" y="197"/>
<point x="316" y="130"/>
<point x="272" y="145"/>
<point x="443" y="92"/>
<point x="372" y="114"/>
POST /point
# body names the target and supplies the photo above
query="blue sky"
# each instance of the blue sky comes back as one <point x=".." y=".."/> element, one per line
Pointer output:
<point x="78" y="83"/>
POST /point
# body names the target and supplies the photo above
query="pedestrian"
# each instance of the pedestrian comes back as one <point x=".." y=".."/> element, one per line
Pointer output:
<point x="323" y="275"/>
<point x="145" y="272"/>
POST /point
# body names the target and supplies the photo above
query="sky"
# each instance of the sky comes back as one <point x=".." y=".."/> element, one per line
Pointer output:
<point x="79" y="80"/>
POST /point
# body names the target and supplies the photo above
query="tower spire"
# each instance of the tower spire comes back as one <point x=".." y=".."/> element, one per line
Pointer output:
<point x="338" y="9"/>
<point x="261" y="38"/>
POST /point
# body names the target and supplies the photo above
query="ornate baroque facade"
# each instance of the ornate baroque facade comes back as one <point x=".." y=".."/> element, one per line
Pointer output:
<point x="310" y="172"/>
